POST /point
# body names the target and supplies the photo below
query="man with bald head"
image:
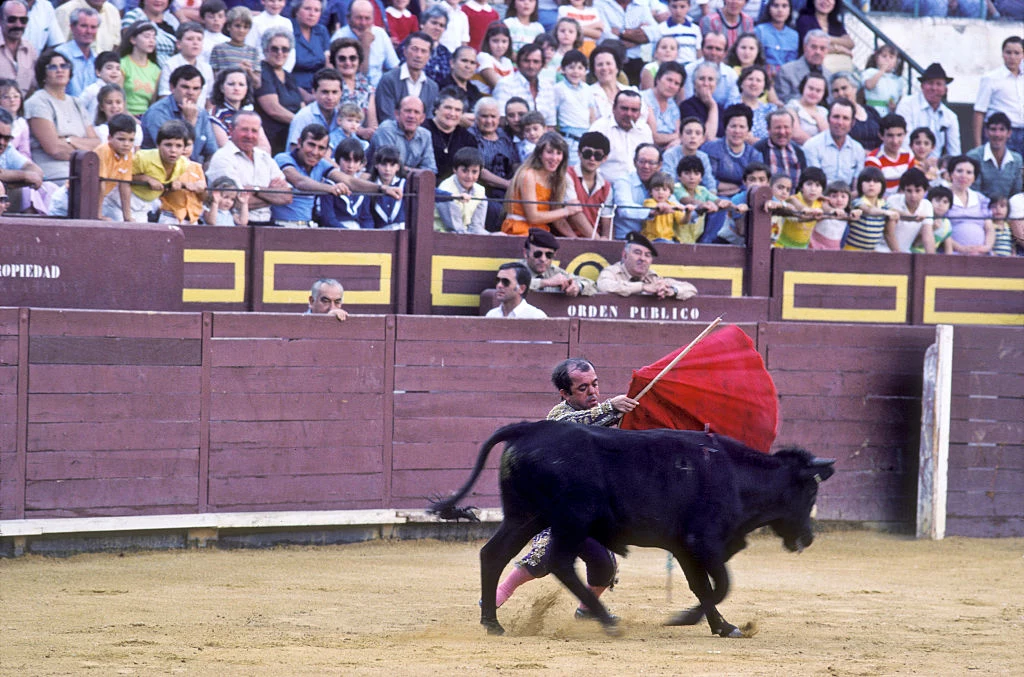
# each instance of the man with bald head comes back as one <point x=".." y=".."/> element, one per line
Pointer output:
<point x="252" y="168"/>
<point x="380" y="53"/>
<point x="414" y="143"/>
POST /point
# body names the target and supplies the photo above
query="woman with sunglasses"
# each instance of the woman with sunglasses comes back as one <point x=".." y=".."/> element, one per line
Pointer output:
<point x="55" y="119"/>
<point x="347" y="58"/>
<point x="278" y="97"/>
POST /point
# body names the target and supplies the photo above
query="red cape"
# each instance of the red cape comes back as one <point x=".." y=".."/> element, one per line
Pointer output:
<point x="722" y="382"/>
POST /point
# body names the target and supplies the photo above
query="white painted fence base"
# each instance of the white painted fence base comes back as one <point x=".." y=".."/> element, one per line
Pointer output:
<point x="936" y="399"/>
<point x="204" y="527"/>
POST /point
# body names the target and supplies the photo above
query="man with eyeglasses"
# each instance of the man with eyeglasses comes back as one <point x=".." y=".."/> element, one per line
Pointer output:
<point x="18" y="57"/>
<point x="629" y="192"/>
<point x="625" y="132"/>
<point x="539" y="257"/>
<point x="592" y="191"/>
<point x="633" y="276"/>
<point x="510" y="289"/>
<point x="15" y="167"/>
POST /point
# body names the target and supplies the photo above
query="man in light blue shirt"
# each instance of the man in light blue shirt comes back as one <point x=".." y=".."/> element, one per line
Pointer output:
<point x="633" y="190"/>
<point x="414" y="143"/>
<point x="378" y="52"/>
<point x="839" y="155"/>
<point x="85" y="22"/>
<point x="186" y="85"/>
<point x="322" y="111"/>
<point x="307" y="169"/>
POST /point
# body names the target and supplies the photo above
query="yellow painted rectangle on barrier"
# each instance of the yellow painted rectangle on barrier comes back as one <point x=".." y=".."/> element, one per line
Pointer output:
<point x="691" y="273"/>
<point x="933" y="283"/>
<point x="439" y="264"/>
<point x="379" y="296"/>
<point x="235" y="257"/>
<point x="790" y="311"/>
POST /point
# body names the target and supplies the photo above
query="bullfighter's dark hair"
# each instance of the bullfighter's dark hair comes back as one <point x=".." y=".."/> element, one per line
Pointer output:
<point x="560" y="374"/>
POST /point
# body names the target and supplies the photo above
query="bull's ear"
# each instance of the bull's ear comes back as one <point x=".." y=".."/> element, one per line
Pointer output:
<point x="820" y="469"/>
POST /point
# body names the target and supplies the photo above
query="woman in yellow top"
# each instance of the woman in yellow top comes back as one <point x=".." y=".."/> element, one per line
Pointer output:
<point x="796" y="230"/>
<point x="539" y="179"/>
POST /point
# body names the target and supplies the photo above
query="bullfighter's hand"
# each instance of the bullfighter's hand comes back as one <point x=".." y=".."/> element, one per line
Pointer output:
<point x="623" y="403"/>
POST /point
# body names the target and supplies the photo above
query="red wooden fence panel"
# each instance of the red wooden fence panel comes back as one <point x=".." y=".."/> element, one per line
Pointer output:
<point x="11" y="480"/>
<point x="456" y="381"/>
<point x="853" y="392"/>
<point x="297" y="412"/>
<point x="113" y="414"/>
<point x="986" y="443"/>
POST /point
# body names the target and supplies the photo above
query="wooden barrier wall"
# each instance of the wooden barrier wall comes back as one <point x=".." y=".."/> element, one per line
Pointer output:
<point x="113" y="413"/>
<point x="148" y="267"/>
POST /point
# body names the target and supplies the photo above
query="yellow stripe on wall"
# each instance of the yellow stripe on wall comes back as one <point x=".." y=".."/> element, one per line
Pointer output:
<point x="379" y="296"/>
<point x="439" y="264"/>
<point x="691" y="273"/>
<point x="235" y="257"/>
<point x="932" y="283"/>
<point x="790" y="311"/>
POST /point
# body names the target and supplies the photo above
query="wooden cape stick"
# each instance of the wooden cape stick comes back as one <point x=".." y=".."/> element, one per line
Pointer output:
<point x="674" y="362"/>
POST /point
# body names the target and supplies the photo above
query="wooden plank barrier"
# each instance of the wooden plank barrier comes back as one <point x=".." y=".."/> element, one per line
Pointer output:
<point x="462" y="266"/>
<point x="968" y="290"/>
<point x="12" y="475"/>
<point x="985" y="491"/>
<point x="736" y="309"/>
<point x="456" y="381"/>
<point x="826" y="286"/>
<point x="297" y="412"/>
<point x="143" y="414"/>
<point x="113" y="413"/>
<point x="853" y="392"/>
<point x="90" y="264"/>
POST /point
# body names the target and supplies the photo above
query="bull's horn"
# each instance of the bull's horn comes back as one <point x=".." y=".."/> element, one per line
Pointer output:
<point x="820" y="462"/>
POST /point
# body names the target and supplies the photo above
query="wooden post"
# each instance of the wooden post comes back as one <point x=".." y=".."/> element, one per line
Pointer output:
<point x="758" y="274"/>
<point x="84" y="186"/>
<point x="420" y="224"/>
<point x="934" y="463"/>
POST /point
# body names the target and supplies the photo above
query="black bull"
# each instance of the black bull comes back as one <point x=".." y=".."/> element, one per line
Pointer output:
<point x="693" y="494"/>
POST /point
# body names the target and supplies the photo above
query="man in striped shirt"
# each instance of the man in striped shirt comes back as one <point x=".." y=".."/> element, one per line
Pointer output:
<point x="889" y="157"/>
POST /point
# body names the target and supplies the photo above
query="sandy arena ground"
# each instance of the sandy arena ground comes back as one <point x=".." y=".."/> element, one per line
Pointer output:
<point x="855" y="603"/>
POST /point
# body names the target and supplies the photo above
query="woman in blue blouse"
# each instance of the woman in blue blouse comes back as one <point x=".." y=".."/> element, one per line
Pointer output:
<point x="781" y="44"/>
<point x="312" y="41"/>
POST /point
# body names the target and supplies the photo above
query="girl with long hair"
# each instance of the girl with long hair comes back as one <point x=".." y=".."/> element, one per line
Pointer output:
<point x="539" y="181"/>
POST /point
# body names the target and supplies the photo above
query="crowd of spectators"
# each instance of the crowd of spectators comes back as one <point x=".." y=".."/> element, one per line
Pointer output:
<point x="614" y="116"/>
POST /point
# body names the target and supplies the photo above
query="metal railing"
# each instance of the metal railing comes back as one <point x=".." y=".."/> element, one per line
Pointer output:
<point x="868" y="37"/>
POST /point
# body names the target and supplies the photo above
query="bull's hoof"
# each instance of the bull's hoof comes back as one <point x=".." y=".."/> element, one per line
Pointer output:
<point x="729" y="630"/>
<point x="588" y="615"/>
<point x="611" y="627"/>
<point x="688" y="617"/>
<point x="493" y="626"/>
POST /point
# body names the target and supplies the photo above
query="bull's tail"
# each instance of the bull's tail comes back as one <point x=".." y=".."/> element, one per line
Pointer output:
<point x="448" y="509"/>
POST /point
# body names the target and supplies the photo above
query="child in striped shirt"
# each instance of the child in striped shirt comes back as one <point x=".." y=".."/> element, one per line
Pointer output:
<point x="866" y="231"/>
